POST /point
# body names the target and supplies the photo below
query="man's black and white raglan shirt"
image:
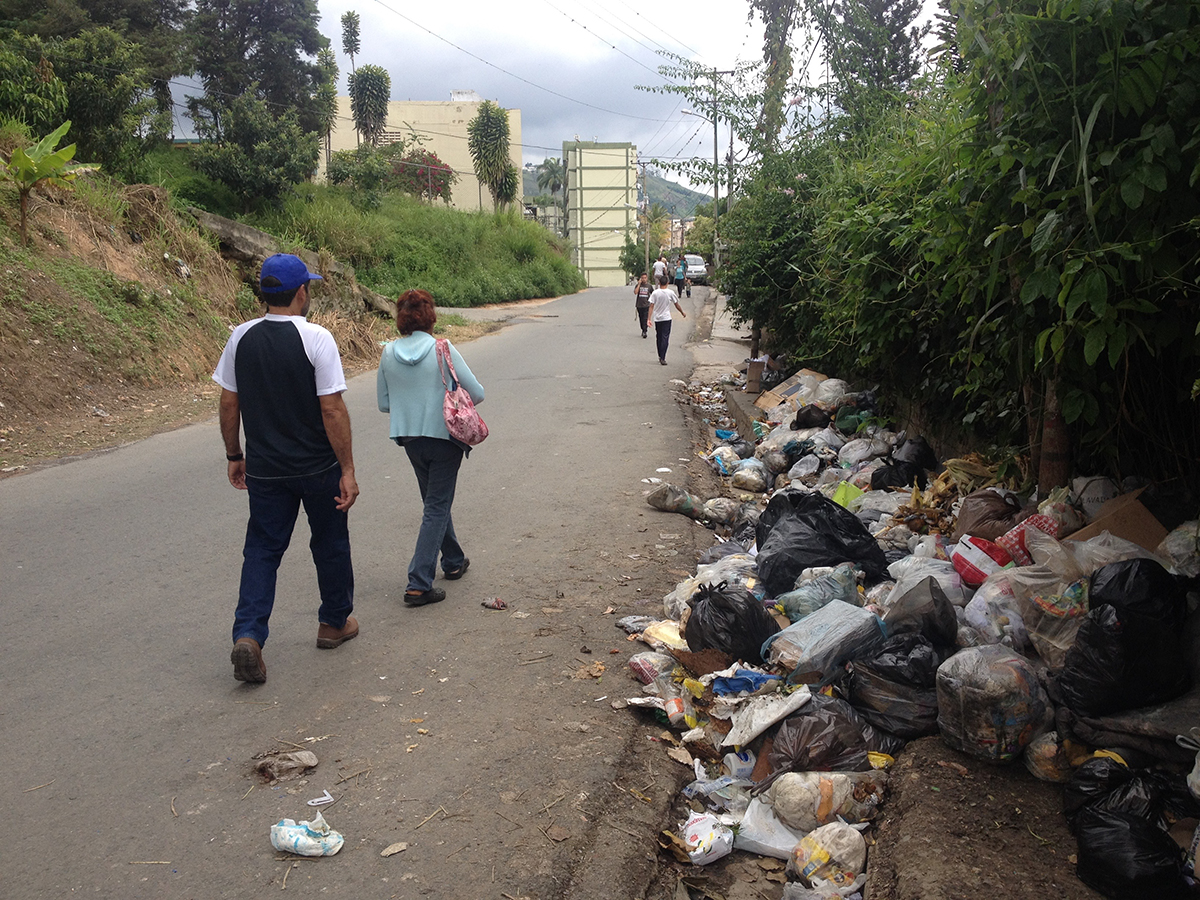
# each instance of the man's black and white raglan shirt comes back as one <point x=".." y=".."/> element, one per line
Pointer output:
<point x="279" y="366"/>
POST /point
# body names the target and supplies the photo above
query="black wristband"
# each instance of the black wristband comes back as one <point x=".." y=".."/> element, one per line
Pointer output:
<point x="237" y="457"/>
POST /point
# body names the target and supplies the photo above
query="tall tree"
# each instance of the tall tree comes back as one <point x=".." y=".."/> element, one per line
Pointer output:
<point x="552" y="175"/>
<point x="265" y="45"/>
<point x="350" y="39"/>
<point x="327" y="98"/>
<point x="874" y="50"/>
<point x="488" y="143"/>
<point x="259" y="155"/>
<point x="30" y="92"/>
<point x="155" y="26"/>
<point x="100" y="79"/>
<point x="779" y="17"/>
<point x="370" y="91"/>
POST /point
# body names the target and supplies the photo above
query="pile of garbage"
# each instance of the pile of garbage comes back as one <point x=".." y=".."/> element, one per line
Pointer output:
<point x="861" y="593"/>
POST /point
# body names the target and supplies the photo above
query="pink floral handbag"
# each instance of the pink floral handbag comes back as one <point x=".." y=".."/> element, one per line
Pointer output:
<point x="462" y="419"/>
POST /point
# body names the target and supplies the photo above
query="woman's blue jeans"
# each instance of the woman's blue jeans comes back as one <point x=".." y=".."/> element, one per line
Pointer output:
<point x="274" y="505"/>
<point x="435" y="462"/>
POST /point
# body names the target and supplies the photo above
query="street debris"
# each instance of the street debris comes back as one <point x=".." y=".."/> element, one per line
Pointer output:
<point x="281" y="765"/>
<point x="313" y="838"/>
<point x="393" y="849"/>
<point x="860" y="594"/>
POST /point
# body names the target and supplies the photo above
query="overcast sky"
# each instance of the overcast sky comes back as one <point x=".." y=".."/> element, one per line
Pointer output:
<point x="555" y="61"/>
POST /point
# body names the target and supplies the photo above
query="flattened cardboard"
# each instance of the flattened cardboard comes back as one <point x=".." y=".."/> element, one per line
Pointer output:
<point x="786" y="390"/>
<point x="1127" y="518"/>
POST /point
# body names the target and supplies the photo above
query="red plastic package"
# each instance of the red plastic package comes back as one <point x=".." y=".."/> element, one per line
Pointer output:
<point x="975" y="559"/>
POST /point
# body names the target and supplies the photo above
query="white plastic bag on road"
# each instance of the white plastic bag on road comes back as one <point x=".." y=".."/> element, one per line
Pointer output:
<point x="313" y="838"/>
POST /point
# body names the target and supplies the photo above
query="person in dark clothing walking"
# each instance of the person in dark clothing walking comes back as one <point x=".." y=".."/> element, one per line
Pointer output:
<point x="281" y="379"/>
<point x="641" y="293"/>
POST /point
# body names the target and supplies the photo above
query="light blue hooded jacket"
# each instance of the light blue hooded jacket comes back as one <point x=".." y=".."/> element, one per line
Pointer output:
<point x="409" y="387"/>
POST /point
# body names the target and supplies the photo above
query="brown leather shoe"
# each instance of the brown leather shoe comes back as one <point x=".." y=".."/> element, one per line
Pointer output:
<point x="247" y="661"/>
<point x="329" y="637"/>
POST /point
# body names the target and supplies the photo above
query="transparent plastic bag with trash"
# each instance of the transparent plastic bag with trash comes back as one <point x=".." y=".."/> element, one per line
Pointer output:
<point x="836" y="853"/>
<point x="810" y="595"/>
<point x="750" y="475"/>
<point x="721" y="510"/>
<point x="723" y="459"/>
<point x="811" y="648"/>
<point x="1181" y="549"/>
<point x="912" y="570"/>
<point x="671" y="498"/>
<point x="805" y="801"/>
<point x="990" y="703"/>
<point x="993" y="613"/>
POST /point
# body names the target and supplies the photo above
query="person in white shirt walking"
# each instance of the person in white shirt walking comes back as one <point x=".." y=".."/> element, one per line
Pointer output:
<point x="662" y="300"/>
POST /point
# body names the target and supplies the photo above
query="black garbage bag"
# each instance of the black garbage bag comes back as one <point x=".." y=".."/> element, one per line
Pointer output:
<point x="811" y="417"/>
<point x="898" y="474"/>
<point x="719" y="551"/>
<point x="743" y="448"/>
<point x="1130" y="651"/>
<point x="825" y="735"/>
<point x="922" y="609"/>
<point x="798" y="530"/>
<point x="917" y="451"/>
<point x="745" y="524"/>
<point x="730" y="619"/>
<point x="896" y="690"/>
<point x="1116" y="815"/>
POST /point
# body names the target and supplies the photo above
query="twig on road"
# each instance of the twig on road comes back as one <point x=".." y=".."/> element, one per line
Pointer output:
<point x="40" y="786"/>
<point x="440" y="809"/>
<point x="175" y="814"/>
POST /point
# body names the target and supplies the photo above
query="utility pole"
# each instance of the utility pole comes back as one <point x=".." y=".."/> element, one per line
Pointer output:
<point x="716" y="166"/>
<point x="646" y="214"/>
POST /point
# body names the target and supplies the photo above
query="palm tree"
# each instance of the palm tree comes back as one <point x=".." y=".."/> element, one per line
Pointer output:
<point x="552" y="174"/>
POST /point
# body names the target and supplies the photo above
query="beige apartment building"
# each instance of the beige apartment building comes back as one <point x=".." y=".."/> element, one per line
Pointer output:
<point x="442" y="128"/>
<point x="601" y="207"/>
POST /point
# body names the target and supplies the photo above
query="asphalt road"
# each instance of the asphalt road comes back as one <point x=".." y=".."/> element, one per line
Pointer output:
<point x="127" y="744"/>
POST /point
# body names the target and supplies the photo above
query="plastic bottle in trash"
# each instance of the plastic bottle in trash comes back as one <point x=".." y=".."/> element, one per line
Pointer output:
<point x="676" y="703"/>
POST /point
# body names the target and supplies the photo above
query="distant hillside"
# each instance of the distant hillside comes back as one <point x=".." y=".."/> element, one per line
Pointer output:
<point x="671" y="196"/>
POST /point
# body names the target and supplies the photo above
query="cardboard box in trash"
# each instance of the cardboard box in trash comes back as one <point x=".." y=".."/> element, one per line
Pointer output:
<point x="1127" y="518"/>
<point x="786" y="391"/>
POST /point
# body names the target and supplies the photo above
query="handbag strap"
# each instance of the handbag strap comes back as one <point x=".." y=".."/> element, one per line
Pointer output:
<point x="443" y="356"/>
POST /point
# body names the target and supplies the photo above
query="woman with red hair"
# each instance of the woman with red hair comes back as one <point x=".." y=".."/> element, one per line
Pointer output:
<point x="409" y="388"/>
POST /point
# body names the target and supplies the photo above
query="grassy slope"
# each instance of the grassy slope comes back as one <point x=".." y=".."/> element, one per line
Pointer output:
<point x="463" y="259"/>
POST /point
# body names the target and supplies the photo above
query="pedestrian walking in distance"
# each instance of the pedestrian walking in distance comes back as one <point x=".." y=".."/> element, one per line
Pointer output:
<point x="662" y="300"/>
<point x="410" y="390"/>
<point x="281" y="381"/>
<point x="641" y="301"/>
<point x="680" y="275"/>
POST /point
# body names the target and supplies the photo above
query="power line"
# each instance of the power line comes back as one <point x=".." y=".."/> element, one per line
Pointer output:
<point x="508" y="73"/>
<point x="605" y="41"/>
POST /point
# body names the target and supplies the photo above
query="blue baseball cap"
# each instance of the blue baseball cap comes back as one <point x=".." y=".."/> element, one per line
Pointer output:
<point x="284" y="272"/>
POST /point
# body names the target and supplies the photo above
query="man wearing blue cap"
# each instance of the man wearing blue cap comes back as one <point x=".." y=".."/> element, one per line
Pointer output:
<point x="281" y="379"/>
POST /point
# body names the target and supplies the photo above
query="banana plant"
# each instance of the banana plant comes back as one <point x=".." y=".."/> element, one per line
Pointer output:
<point x="41" y="164"/>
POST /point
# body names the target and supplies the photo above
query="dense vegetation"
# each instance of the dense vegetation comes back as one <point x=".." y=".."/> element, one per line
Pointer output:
<point x="263" y="117"/>
<point x="1013" y="241"/>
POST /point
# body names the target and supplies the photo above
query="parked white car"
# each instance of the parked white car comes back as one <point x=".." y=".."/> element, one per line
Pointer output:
<point x="697" y="271"/>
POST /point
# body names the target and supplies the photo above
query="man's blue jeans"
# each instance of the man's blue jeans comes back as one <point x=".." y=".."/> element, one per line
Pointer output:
<point x="662" y="337"/>
<point x="274" y="506"/>
<point x="436" y="462"/>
